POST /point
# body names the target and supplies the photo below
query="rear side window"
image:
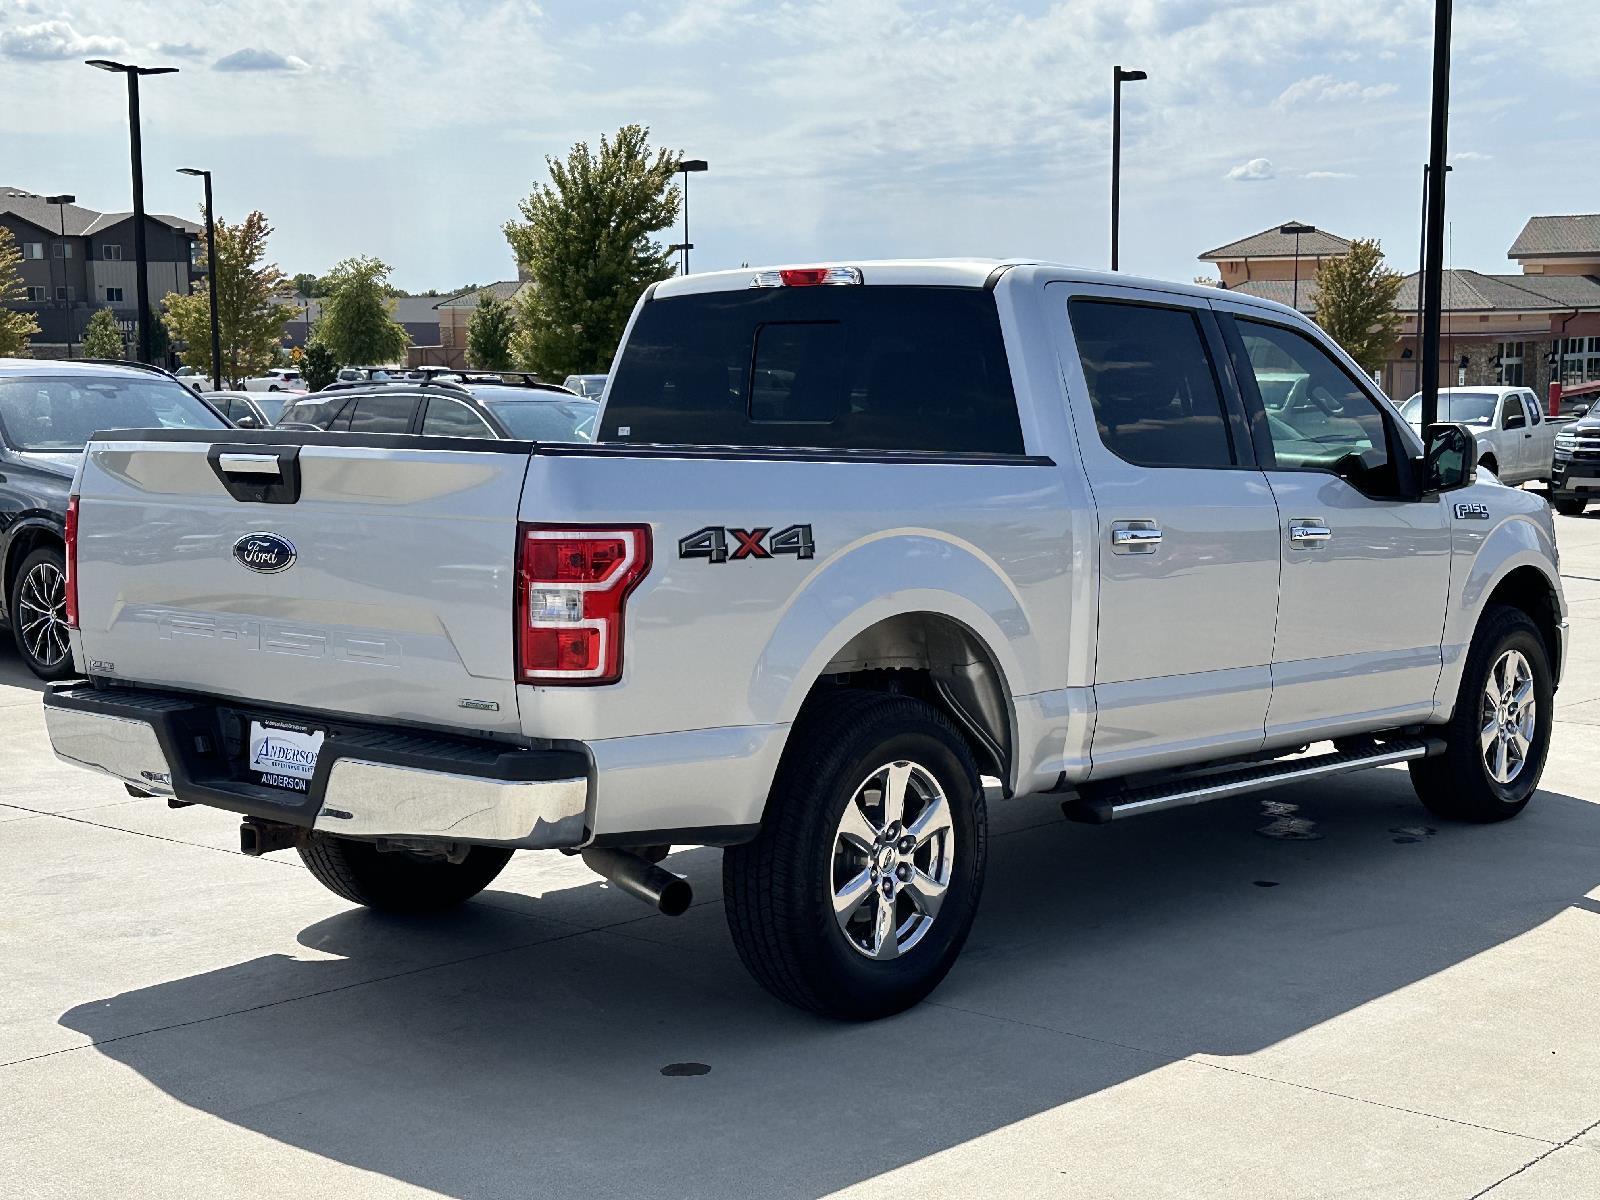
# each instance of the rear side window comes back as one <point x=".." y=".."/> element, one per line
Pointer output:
<point x="839" y="368"/>
<point x="1151" y="384"/>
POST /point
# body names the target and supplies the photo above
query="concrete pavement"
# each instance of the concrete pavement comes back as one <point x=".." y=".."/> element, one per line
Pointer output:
<point x="1175" y="1007"/>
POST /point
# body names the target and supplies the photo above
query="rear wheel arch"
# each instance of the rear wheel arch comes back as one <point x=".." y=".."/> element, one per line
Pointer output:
<point x="24" y="541"/>
<point x="938" y="659"/>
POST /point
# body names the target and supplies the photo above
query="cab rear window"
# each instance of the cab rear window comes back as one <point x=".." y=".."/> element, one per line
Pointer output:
<point x="846" y="368"/>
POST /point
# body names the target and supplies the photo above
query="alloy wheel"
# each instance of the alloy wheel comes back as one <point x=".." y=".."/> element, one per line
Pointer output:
<point x="1510" y="717"/>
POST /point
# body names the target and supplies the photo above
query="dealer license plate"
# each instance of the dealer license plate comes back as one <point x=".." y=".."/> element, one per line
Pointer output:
<point x="283" y="755"/>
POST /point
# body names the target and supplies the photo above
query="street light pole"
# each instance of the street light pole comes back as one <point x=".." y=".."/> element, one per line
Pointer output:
<point x="1118" y="78"/>
<point x="1433" y="241"/>
<point x="688" y="165"/>
<point x="136" y="152"/>
<point x="211" y="278"/>
<point x="1297" y="229"/>
<point x="61" y="203"/>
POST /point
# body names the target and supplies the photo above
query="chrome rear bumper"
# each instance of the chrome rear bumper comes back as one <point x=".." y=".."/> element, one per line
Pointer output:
<point x="368" y="783"/>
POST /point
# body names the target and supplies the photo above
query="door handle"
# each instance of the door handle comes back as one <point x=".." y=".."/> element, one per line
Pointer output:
<point x="250" y="464"/>
<point x="1141" y="540"/>
<point x="1309" y="531"/>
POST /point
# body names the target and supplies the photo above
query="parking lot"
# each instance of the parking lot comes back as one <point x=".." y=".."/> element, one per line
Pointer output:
<point x="1178" y="1006"/>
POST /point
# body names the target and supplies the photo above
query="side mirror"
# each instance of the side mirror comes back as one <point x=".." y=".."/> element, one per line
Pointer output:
<point x="1515" y="420"/>
<point x="1580" y="410"/>
<point x="1450" y="461"/>
<point x="247" y="422"/>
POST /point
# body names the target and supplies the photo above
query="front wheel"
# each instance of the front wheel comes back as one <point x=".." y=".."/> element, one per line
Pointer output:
<point x="1499" y="734"/>
<point x="39" y="614"/>
<point x="1570" y="506"/>
<point x="398" y="880"/>
<point x="859" y="892"/>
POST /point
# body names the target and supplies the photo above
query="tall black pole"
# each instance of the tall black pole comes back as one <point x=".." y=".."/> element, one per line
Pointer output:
<point x="1296" y="302"/>
<point x="1116" y="160"/>
<point x="142" y="280"/>
<point x="1433" y="259"/>
<point x="686" y="222"/>
<point x="211" y="282"/>
<point x="1422" y="266"/>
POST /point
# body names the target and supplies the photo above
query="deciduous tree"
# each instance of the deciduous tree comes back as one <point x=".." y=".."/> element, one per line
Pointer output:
<point x="357" y="322"/>
<point x="102" y="338"/>
<point x="585" y="238"/>
<point x="250" y="318"/>
<point x="1355" y="303"/>
<point x="318" y="365"/>
<point x="16" y="327"/>
<point x="489" y="333"/>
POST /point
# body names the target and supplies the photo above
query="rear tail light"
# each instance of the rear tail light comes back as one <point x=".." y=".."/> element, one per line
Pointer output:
<point x="572" y="584"/>
<point x="72" y="562"/>
<point x="807" y="277"/>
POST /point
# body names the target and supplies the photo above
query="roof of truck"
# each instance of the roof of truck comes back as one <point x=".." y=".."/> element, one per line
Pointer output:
<point x="77" y="367"/>
<point x="950" y="272"/>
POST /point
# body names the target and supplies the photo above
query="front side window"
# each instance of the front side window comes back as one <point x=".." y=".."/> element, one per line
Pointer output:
<point x="451" y="418"/>
<point x="1151" y="384"/>
<point x="553" y="420"/>
<point x="1318" y="417"/>
<point x="63" y="412"/>
<point x="836" y="368"/>
<point x="318" y="414"/>
<point x="382" y="414"/>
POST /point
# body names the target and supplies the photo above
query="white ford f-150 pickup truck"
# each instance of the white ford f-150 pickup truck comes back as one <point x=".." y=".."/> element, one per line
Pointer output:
<point x="850" y="539"/>
<point x="1516" y="438"/>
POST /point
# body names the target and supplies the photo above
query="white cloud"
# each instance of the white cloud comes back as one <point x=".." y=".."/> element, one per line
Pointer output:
<point x="1325" y="89"/>
<point x="252" y="58"/>
<point x="1327" y="175"/>
<point x="52" y="40"/>
<point x="1470" y="156"/>
<point x="1253" y="171"/>
<point x="179" y="49"/>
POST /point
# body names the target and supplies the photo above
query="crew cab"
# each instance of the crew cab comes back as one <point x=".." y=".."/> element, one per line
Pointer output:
<point x="851" y="540"/>
<point x="1516" y="440"/>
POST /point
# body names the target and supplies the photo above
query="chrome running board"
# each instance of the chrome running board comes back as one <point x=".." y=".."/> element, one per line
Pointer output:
<point x="1097" y="805"/>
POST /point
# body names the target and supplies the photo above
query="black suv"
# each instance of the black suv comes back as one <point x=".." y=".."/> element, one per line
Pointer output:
<point x="48" y="410"/>
<point x="506" y="405"/>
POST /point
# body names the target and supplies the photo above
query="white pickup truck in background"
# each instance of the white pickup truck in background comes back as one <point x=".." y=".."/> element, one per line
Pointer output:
<point x="850" y="537"/>
<point x="1516" y="439"/>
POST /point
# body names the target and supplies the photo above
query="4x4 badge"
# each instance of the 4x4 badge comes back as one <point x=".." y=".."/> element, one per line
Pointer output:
<point x="711" y="543"/>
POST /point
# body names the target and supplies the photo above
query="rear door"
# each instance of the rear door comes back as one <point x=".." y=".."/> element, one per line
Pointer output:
<point x="386" y="588"/>
<point x="1188" y="541"/>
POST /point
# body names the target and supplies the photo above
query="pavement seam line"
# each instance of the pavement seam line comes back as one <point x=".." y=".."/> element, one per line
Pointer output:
<point x="343" y="987"/>
<point x="1164" y="1057"/>
<point x="141" y="833"/>
<point x="1535" y="1161"/>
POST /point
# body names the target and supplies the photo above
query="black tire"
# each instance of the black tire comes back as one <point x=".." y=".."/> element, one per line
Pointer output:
<point x="1570" y="506"/>
<point x="1488" y="463"/>
<point x="779" y="888"/>
<point x="395" y="880"/>
<point x="41" y="566"/>
<point x="1457" y="784"/>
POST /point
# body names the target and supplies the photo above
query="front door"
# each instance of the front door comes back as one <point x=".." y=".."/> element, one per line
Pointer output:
<point x="1187" y="532"/>
<point x="1366" y="574"/>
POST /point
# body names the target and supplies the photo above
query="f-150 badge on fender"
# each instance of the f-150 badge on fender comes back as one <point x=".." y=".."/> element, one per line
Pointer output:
<point x="265" y="552"/>
<point x="1472" y="512"/>
<point x="712" y="542"/>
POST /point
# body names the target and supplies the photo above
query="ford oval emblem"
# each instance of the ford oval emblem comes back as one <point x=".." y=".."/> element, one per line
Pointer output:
<point x="265" y="552"/>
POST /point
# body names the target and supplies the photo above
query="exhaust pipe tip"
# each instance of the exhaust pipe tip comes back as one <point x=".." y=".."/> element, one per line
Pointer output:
<point x="670" y="895"/>
<point x="675" y="898"/>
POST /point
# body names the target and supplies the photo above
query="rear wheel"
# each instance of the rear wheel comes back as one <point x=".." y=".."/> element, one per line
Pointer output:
<point x="39" y="614"/>
<point x="1570" y="506"/>
<point x="1499" y="735"/>
<point x="858" y="894"/>
<point x="398" y="880"/>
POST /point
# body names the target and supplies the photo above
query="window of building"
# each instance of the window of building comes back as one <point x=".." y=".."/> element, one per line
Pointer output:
<point x="61" y="249"/>
<point x="1581" y="361"/>
<point x="33" y="250"/>
<point x="111" y="253"/>
<point x="36" y="295"/>
<point x="65" y="293"/>
<point x="1511" y="358"/>
<point x="1151" y="384"/>
<point x="114" y="295"/>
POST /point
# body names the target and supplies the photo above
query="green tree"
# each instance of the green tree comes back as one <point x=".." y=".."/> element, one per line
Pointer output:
<point x="102" y="338"/>
<point x="1355" y="303"/>
<point x="15" y="327"/>
<point x="585" y="238"/>
<point x="250" y="318"/>
<point x="305" y="284"/>
<point x="318" y="365"/>
<point x="489" y="332"/>
<point x="357" y="321"/>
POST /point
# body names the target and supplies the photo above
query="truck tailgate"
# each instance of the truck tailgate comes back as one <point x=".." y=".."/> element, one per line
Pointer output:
<point x="380" y="583"/>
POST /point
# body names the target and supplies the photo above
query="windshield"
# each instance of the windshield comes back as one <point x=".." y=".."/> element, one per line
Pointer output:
<point x="548" y="420"/>
<point x="1470" y="408"/>
<point x="64" y="412"/>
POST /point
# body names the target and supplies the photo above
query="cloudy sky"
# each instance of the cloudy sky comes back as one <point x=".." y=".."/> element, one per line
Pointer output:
<point x="834" y="128"/>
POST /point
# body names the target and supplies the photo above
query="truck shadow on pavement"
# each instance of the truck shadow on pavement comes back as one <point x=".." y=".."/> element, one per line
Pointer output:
<point x="1100" y="955"/>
